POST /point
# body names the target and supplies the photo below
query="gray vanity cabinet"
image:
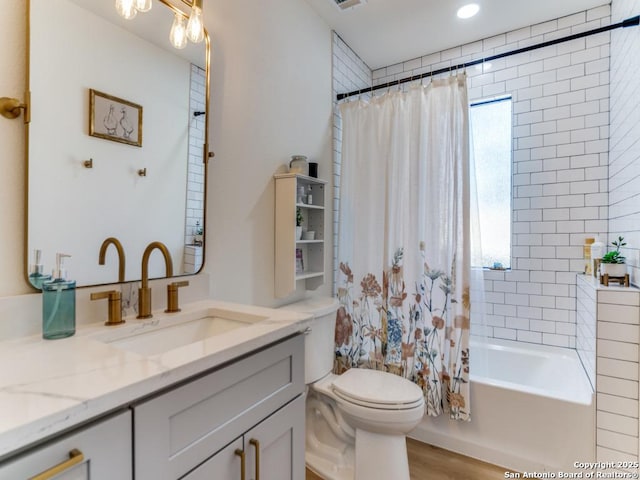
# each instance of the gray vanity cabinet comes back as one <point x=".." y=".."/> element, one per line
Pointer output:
<point x="224" y="465"/>
<point x="105" y="447"/>
<point x="272" y="450"/>
<point x="275" y="447"/>
<point x="181" y="431"/>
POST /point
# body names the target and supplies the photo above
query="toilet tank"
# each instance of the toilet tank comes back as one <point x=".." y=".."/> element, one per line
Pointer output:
<point x="319" y="342"/>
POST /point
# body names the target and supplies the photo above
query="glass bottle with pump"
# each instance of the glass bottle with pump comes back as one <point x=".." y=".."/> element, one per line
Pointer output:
<point x="36" y="271"/>
<point x="59" y="303"/>
<point x="588" y="268"/>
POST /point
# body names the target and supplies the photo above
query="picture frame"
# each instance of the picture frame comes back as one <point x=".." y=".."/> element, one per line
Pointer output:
<point x="115" y="119"/>
<point x="299" y="262"/>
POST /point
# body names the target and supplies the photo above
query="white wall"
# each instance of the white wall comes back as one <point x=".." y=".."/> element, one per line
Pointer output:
<point x="12" y="205"/>
<point x="271" y="91"/>
<point x="271" y="98"/>
<point x="560" y="140"/>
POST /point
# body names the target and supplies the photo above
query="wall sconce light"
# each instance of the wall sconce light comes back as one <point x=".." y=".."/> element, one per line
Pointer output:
<point x="195" y="25"/>
<point x="179" y="34"/>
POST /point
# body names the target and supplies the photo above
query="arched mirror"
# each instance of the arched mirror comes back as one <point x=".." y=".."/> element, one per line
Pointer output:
<point x="117" y="143"/>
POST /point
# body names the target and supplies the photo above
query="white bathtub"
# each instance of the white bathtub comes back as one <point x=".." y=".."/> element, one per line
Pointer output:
<point x="532" y="409"/>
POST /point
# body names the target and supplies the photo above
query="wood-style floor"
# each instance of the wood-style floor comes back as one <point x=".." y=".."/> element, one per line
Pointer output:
<point x="432" y="463"/>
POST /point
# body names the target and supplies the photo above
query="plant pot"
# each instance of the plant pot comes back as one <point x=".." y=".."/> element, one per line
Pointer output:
<point x="298" y="233"/>
<point x="613" y="269"/>
<point x="309" y="235"/>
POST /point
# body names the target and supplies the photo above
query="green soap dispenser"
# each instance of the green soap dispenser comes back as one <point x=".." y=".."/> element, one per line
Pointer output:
<point x="59" y="303"/>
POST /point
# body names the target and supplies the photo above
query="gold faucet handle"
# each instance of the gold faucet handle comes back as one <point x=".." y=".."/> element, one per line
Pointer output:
<point x="115" y="305"/>
<point x="172" y="296"/>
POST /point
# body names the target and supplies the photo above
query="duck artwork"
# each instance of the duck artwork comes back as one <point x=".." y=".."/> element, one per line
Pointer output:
<point x="125" y="124"/>
<point x="110" y="122"/>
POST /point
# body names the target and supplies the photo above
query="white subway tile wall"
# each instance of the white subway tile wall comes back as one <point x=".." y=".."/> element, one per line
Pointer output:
<point x="560" y="165"/>
<point x="195" y="172"/>
<point x="618" y="335"/>
<point x="624" y="166"/>
<point x="349" y="73"/>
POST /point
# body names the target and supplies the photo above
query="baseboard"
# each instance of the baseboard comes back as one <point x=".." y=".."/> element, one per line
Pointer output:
<point x="483" y="453"/>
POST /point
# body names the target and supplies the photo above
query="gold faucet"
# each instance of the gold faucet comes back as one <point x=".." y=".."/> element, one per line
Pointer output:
<point x="115" y="305"/>
<point x="144" y="293"/>
<point x="121" y="260"/>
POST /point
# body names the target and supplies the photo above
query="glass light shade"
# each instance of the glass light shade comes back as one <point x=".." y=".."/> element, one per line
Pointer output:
<point x="468" y="11"/>
<point x="143" y="5"/>
<point x="126" y="8"/>
<point x="178" y="35"/>
<point x="195" y="27"/>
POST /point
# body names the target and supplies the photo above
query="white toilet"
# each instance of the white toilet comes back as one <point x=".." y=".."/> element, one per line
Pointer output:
<point x="356" y="422"/>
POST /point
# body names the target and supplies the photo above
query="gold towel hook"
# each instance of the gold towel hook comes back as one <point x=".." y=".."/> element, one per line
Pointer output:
<point x="10" y="108"/>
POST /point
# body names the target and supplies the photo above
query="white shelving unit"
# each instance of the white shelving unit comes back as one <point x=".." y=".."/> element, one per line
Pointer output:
<point x="288" y="201"/>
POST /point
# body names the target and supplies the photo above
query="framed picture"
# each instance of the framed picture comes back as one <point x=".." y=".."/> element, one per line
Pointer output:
<point x="115" y="119"/>
<point x="299" y="261"/>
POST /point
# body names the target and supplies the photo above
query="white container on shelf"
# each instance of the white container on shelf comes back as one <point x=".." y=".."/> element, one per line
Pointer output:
<point x="613" y="269"/>
<point x="298" y="164"/>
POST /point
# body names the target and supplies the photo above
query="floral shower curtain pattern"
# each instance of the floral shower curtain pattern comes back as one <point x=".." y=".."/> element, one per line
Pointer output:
<point x="404" y="241"/>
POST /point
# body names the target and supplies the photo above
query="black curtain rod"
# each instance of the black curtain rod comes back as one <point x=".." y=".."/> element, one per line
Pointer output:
<point x="629" y="22"/>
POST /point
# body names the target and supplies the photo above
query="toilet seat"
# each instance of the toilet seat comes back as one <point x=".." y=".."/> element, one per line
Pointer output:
<point x="377" y="390"/>
<point x="378" y="406"/>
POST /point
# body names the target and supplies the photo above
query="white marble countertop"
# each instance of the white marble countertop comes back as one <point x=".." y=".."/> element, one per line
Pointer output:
<point x="48" y="386"/>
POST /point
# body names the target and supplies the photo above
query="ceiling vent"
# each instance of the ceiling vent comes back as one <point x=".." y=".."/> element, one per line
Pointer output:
<point x="345" y="4"/>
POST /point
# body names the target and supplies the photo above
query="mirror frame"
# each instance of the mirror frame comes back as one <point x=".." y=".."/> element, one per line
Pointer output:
<point x="206" y="154"/>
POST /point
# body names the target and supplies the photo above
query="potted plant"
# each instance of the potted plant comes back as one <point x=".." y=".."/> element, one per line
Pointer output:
<point x="198" y="234"/>
<point x="298" y="223"/>
<point x="612" y="262"/>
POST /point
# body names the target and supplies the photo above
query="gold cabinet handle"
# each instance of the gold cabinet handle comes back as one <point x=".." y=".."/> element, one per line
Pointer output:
<point x="75" y="457"/>
<point x="240" y="453"/>
<point x="256" y="444"/>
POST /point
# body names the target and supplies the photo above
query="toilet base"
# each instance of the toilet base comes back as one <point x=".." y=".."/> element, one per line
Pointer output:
<point x="330" y="456"/>
<point x="381" y="456"/>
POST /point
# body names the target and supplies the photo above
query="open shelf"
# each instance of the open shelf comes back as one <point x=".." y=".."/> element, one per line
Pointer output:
<point x="312" y="207"/>
<point x="305" y="275"/>
<point x="289" y="252"/>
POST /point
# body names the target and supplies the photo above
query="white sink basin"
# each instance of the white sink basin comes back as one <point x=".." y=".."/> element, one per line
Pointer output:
<point x="171" y="332"/>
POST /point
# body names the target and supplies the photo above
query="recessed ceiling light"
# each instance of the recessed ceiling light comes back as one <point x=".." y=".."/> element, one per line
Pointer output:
<point x="468" y="11"/>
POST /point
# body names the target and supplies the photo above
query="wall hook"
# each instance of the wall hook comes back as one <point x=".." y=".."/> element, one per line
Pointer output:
<point x="10" y="108"/>
<point x="88" y="163"/>
<point x="143" y="172"/>
<point x="197" y="114"/>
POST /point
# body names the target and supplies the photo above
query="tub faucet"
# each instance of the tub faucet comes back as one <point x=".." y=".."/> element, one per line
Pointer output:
<point x="144" y="293"/>
<point x="121" y="258"/>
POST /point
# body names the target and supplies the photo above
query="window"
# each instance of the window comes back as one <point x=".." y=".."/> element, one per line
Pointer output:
<point x="491" y="135"/>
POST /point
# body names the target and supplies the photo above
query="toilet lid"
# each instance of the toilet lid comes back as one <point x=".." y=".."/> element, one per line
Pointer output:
<point x="377" y="389"/>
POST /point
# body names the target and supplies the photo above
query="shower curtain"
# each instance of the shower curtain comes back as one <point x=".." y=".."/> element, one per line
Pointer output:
<point x="404" y="240"/>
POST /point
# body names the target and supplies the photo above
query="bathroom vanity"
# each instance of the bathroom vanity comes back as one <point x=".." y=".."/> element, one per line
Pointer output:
<point x="104" y="404"/>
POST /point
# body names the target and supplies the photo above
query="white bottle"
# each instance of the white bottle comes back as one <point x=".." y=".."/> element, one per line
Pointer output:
<point x="597" y="252"/>
<point x="597" y="249"/>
